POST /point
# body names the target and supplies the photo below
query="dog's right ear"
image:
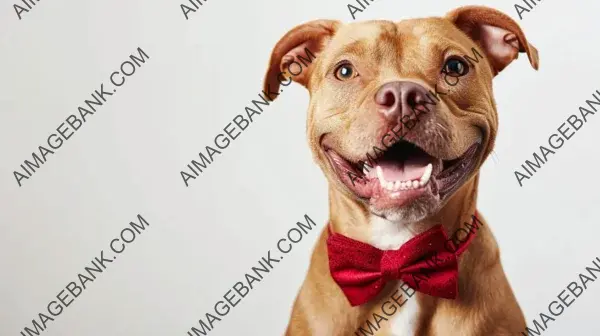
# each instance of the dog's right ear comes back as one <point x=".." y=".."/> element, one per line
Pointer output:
<point x="304" y="42"/>
<point x="500" y="36"/>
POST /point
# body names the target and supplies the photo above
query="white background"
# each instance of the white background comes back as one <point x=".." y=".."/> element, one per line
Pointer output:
<point x="201" y="73"/>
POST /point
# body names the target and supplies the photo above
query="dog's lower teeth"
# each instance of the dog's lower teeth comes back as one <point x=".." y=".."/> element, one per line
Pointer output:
<point x="395" y="186"/>
<point x="403" y="185"/>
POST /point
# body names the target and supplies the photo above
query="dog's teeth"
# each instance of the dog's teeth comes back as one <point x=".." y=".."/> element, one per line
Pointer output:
<point x="397" y="186"/>
<point x="365" y="170"/>
<point x="380" y="176"/>
<point x="415" y="184"/>
<point x="427" y="174"/>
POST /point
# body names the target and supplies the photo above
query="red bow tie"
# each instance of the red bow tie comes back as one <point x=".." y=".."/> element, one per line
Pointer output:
<point x="426" y="263"/>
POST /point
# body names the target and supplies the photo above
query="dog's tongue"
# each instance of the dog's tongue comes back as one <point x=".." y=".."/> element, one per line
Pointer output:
<point x="411" y="168"/>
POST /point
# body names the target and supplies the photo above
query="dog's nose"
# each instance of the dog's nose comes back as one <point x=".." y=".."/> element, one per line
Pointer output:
<point x="396" y="99"/>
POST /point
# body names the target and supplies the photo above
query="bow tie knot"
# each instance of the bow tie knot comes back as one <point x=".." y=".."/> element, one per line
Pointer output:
<point x="423" y="263"/>
<point x="392" y="264"/>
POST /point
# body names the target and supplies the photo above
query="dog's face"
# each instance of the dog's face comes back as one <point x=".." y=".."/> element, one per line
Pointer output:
<point x="402" y="114"/>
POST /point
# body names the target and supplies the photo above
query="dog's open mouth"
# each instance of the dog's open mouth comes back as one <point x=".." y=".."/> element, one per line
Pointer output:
<point x="403" y="173"/>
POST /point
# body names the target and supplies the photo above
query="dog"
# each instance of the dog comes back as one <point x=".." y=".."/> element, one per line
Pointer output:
<point x="366" y="78"/>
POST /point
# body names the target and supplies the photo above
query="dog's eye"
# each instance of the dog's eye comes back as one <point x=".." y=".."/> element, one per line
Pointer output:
<point x="455" y="67"/>
<point x="345" y="72"/>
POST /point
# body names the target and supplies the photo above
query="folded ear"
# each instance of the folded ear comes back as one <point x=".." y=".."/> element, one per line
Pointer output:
<point x="500" y="36"/>
<point x="303" y="43"/>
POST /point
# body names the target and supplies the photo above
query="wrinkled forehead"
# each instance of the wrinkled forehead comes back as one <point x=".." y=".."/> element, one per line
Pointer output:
<point x="417" y="40"/>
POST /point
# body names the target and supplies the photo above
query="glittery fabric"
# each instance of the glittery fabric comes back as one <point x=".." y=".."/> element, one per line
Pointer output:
<point x="427" y="263"/>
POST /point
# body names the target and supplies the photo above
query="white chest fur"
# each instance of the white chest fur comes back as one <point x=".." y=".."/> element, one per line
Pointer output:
<point x="388" y="235"/>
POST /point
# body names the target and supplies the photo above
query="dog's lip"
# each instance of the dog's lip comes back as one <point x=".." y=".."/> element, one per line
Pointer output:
<point x="358" y="165"/>
<point x="442" y="183"/>
<point x="370" y="189"/>
<point x="347" y="173"/>
<point x="324" y="144"/>
<point x="453" y="176"/>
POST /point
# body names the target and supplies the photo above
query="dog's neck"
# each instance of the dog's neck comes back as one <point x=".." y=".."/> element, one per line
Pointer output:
<point x="353" y="219"/>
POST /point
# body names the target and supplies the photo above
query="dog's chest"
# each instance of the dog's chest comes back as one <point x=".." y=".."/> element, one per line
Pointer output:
<point x="387" y="235"/>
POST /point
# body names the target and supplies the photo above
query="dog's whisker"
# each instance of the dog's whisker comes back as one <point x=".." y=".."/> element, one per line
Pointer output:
<point x="335" y="114"/>
<point x="442" y="127"/>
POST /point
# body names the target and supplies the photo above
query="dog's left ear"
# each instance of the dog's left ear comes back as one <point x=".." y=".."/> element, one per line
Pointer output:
<point x="499" y="35"/>
<point x="296" y="48"/>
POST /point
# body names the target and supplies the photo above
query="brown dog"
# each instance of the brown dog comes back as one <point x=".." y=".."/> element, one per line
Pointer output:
<point x="363" y="82"/>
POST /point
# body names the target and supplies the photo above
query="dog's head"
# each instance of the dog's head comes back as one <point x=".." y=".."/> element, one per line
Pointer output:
<point x="401" y="114"/>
